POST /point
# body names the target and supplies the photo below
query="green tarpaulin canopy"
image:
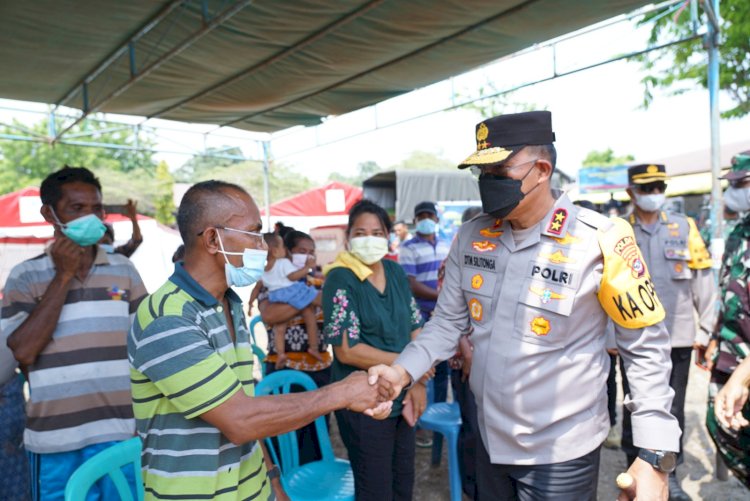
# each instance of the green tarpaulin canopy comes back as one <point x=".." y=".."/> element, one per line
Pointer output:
<point x="262" y="65"/>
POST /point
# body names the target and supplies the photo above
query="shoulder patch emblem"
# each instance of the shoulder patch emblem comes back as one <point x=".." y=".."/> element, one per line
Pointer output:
<point x="568" y="239"/>
<point x="557" y="257"/>
<point x="475" y="309"/>
<point x="546" y="294"/>
<point x="627" y="249"/>
<point x="540" y="326"/>
<point x="477" y="281"/>
<point x="484" y="246"/>
<point x="558" y="220"/>
<point x="678" y="267"/>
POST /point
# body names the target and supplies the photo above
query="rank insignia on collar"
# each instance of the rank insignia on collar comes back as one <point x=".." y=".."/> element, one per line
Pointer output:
<point x="489" y="232"/>
<point x="568" y="239"/>
<point x="557" y="257"/>
<point x="546" y="295"/>
<point x="540" y="326"/>
<point x="556" y="223"/>
<point x="484" y="246"/>
<point x="475" y="309"/>
<point x="477" y="281"/>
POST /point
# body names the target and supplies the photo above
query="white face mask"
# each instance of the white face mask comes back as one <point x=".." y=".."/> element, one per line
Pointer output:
<point x="650" y="203"/>
<point x="299" y="260"/>
<point x="737" y="199"/>
<point x="369" y="249"/>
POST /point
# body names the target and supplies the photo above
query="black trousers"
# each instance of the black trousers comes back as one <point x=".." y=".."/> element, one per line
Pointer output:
<point x="678" y="380"/>
<point x="468" y="434"/>
<point x="574" y="480"/>
<point x="381" y="454"/>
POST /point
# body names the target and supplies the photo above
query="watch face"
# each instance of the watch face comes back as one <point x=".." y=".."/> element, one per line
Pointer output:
<point x="668" y="462"/>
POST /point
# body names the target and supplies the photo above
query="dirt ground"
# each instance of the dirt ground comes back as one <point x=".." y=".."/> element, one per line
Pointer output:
<point x="697" y="473"/>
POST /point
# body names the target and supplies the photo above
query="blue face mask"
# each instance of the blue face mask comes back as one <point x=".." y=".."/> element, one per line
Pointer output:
<point x="85" y="230"/>
<point x="426" y="226"/>
<point x="108" y="248"/>
<point x="253" y="265"/>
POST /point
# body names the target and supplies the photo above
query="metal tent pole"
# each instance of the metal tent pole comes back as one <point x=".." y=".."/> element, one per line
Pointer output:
<point x="266" y="187"/>
<point x="712" y="45"/>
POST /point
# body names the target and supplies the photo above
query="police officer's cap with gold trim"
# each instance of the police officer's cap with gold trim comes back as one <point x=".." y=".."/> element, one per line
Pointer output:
<point x="646" y="173"/>
<point x="740" y="167"/>
<point x="501" y="137"/>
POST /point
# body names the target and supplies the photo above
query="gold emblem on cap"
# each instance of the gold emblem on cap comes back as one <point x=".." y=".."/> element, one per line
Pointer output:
<point x="482" y="132"/>
<point x="652" y="169"/>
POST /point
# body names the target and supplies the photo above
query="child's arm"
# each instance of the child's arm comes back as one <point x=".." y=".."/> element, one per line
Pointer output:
<point x="253" y="296"/>
<point x="302" y="272"/>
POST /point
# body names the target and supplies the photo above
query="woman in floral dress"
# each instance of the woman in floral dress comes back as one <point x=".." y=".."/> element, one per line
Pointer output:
<point x="370" y="316"/>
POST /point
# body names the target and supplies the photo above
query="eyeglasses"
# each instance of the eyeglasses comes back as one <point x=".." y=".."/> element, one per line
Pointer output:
<point x="497" y="170"/>
<point x="652" y="187"/>
<point x="257" y="237"/>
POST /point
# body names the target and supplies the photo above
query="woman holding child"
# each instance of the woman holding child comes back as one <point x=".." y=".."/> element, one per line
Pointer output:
<point x="297" y="349"/>
<point x="370" y="316"/>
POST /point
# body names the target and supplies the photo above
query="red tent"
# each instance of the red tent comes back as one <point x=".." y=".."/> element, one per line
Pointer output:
<point x="333" y="199"/>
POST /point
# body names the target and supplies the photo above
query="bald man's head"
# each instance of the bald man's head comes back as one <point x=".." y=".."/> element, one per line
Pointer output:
<point x="210" y="203"/>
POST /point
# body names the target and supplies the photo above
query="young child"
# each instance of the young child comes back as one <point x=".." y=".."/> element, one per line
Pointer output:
<point x="283" y="280"/>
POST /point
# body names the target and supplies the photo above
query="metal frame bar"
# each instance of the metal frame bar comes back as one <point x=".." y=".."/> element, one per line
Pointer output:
<point x="276" y="57"/>
<point x="386" y="64"/>
<point x="135" y="75"/>
<point x="454" y="106"/>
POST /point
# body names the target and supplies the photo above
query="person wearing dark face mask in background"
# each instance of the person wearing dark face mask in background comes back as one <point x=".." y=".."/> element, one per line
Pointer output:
<point x="680" y="268"/>
<point x="536" y="279"/>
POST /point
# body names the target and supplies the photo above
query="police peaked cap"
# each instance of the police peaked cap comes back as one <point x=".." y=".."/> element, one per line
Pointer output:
<point x="501" y="137"/>
<point x="646" y="173"/>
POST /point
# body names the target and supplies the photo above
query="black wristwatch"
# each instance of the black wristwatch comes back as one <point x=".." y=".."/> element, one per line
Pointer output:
<point x="663" y="461"/>
<point x="273" y="472"/>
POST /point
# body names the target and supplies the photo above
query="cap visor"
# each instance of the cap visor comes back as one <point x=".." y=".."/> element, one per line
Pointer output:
<point x="489" y="156"/>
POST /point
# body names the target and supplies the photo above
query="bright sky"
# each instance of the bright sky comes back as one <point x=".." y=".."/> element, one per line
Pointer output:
<point x="591" y="110"/>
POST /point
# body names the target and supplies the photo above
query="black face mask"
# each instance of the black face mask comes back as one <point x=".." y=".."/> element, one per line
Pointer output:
<point x="501" y="194"/>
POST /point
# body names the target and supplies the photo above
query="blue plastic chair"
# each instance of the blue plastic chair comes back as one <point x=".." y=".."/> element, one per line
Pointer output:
<point x="108" y="462"/>
<point x="445" y="418"/>
<point x="253" y="322"/>
<point x="260" y="355"/>
<point x="330" y="478"/>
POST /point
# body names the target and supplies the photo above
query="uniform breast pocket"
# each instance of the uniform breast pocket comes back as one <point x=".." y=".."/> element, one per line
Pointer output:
<point x="542" y="314"/>
<point x="677" y="261"/>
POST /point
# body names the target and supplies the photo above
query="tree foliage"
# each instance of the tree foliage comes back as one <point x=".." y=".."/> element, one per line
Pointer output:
<point x="605" y="158"/>
<point x="197" y="166"/>
<point x="164" y="208"/>
<point x="283" y="181"/>
<point x="680" y="67"/>
<point x="424" y="160"/>
<point x="365" y="170"/>
<point x="27" y="163"/>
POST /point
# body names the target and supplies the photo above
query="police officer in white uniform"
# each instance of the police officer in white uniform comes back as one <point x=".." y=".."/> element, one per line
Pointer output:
<point x="537" y="277"/>
<point x="680" y="268"/>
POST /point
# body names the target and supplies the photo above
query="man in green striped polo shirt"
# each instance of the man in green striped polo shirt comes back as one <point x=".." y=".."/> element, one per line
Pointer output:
<point x="191" y="364"/>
